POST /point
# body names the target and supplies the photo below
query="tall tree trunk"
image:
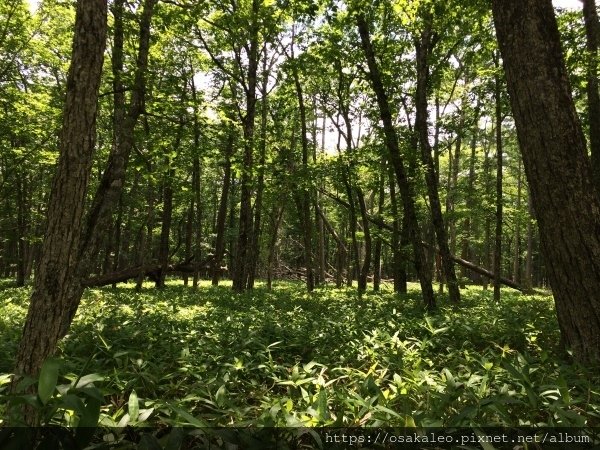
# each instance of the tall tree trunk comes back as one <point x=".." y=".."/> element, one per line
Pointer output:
<point x="165" y="229"/>
<point x="499" y="150"/>
<point x="305" y="201"/>
<point x="423" y="51"/>
<point x="22" y="226"/>
<point x="196" y="187"/>
<point x="49" y="312"/>
<point x="366" y="265"/>
<point x="592" y="33"/>
<point x="260" y="182"/>
<point x="378" y="241"/>
<point x="468" y="222"/>
<point x="406" y="188"/>
<point x="145" y="249"/>
<point x="528" y="282"/>
<point x="222" y="214"/>
<point x="243" y="252"/>
<point x="556" y="164"/>
<point x="400" y="241"/>
<point x="517" y="245"/>
<point x="275" y="223"/>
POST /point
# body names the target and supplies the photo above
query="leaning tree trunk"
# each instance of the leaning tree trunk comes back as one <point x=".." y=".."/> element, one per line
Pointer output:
<point x="56" y="270"/>
<point x="423" y="52"/>
<point x="391" y="141"/>
<point x="556" y="165"/>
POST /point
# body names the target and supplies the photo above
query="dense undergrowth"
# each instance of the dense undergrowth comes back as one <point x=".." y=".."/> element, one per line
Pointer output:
<point x="286" y="358"/>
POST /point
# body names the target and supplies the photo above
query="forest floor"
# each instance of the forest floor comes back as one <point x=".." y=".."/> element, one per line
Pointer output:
<point x="286" y="358"/>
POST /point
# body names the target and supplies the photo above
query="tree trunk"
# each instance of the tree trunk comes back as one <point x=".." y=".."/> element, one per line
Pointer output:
<point x="592" y="33"/>
<point x="50" y="309"/>
<point x="243" y="251"/>
<point x="556" y="165"/>
<point x="260" y="182"/>
<point x="378" y="242"/>
<point x="517" y="245"/>
<point x="400" y="240"/>
<point x="406" y="188"/>
<point x="222" y="214"/>
<point x="423" y="50"/>
<point x="499" y="150"/>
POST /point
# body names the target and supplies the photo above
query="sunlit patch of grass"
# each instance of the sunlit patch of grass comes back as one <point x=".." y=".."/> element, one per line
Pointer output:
<point x="287" y="357"/>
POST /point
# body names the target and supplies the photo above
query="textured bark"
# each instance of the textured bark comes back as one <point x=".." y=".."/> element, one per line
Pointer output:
<point x="423" y="51"/>
<point x="391" y="141"/>
<point x="556" y="165"/>
<point x="49" y="309"/>
<point x="243" y="251"/>
<point x="592" y="33"/>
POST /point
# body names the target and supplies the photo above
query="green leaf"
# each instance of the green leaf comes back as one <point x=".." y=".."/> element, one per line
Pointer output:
<point x="191" y="420"/>
<point x="133" y="406"/>
<point x="48" y="379"/>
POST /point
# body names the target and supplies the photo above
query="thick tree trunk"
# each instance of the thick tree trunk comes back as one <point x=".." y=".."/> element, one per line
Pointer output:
<point x="592" y="33"/>
<point x="422" y="52"/>
<point x="557" y="167"/>
<point x="50" y="309"/>
<point x="243" y="252"/>
<point x="406" y="188"/>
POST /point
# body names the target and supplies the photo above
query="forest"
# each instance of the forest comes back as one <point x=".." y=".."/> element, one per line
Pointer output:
<point x="296" y="214"/>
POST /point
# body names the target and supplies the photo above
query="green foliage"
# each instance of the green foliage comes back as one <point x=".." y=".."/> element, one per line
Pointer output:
<point x="288" y="358"/>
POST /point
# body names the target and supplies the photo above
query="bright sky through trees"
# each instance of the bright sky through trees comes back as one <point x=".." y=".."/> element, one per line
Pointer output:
<point x="574" y="4"/>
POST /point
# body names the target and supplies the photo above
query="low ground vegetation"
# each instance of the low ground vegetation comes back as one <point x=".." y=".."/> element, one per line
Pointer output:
<point x="210" y="357"/>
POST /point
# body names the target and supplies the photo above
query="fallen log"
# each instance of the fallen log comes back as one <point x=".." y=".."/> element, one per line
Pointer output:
<point x="151" y="271"/>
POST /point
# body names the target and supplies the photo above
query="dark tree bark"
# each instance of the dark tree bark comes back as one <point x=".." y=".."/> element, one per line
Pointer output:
<point x="556" y="165"/>
<point x="244" y="244"/>
<point x="49" y="312"/>
<point x="423" y="50"/>
<point x="391" y="140"/>
<point x="592" y="33"/>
